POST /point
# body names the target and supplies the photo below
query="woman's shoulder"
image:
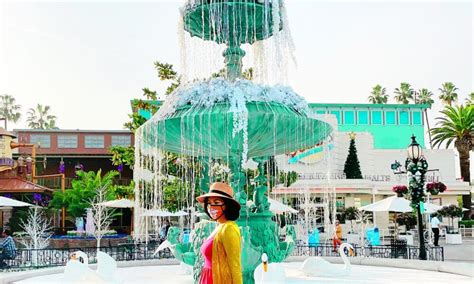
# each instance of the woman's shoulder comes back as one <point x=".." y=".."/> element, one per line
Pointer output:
<point x="228" y="227"/>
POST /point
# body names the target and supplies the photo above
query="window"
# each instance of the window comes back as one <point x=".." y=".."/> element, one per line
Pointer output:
<point x="337" y="114"/>
<point x="349" y="117"/>
<point x="390" y="118"/>
<point x="320" y="112"/>
<point x="121" y="140"/>
<point x="363" y="117"/>
<point x="67" y="141"/>
<point x="94" y="141"/>
<point x="417" y="118"/>
<point x="44" y="140"/>
<point x="377" y="117"/>
<point x="340" y="202"/>
<point x="404" y="117"/>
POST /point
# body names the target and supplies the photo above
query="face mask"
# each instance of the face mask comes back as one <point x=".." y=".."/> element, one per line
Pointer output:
<point x="215" y="213"/>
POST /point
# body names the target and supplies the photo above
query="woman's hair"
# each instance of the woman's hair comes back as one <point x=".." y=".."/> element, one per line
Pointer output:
<point x="231" y="211"/>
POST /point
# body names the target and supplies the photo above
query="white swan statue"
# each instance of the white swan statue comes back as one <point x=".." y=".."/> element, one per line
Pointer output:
<point x="269" y="273"/>
<point x="77" y="269"/>
<point x="317" y="266"/>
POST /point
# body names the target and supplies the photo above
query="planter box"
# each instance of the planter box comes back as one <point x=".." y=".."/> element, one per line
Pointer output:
<point x="353" y="238"/>
<point x="453" y="239"/>
<point x="408" y="238"/>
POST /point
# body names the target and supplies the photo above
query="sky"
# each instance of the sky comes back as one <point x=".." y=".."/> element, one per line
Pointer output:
<point x="88" y="59"/>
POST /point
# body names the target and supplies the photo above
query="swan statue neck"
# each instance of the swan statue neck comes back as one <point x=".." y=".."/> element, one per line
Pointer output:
<point x="347" y="263"/>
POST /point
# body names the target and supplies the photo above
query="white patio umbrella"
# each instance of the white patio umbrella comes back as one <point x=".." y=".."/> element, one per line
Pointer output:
<point x="390" y="204"/>
<point x="160" y="213"/>
<point x="8" y="202"/>
<point x="119" y="203"/>
<point x="279" y="208"/>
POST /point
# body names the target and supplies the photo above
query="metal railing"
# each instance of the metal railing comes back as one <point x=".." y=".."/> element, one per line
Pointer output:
<point x="383" y="251"/>
<point x="40" y="258"/>
<point x="49" y="257"/>
<point x="55" y="183"/>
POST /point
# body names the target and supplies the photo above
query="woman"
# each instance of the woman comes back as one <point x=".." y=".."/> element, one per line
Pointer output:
<point x="337" y="239"/>
<point x="221" y="250"/>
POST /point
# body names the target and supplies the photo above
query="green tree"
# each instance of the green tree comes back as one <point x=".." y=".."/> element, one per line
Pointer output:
<point x="408" y="219"/>
<point x="448" y="93"/>
<point x="378" y="95"/>
<point x="78" y="198"/>
<point x="457" y="126"/>
<point x="352" y="167"/>
<point x="425" y="97"/>
<point x="349" y="214"/>
<point x="40" y="118"/>
<point x="470" y="99"/>
<point x="404" y="94"/>
<point x="451" y="212"/>
<point x="9" y="110"/>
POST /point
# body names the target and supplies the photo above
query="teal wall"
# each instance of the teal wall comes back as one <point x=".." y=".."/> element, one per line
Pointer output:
<point x="390" y="124"/>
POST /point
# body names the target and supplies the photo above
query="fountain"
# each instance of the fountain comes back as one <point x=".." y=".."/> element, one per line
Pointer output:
<point x="229" y="120"/>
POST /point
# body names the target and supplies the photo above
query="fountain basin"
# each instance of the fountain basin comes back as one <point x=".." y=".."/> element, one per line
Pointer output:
<point x="275" y="129"/>
<point x="172" y="274"/>
<point x="238" y="21"/>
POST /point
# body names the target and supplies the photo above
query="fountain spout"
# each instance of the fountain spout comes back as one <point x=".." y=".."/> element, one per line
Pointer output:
<point x="233" y="60"/>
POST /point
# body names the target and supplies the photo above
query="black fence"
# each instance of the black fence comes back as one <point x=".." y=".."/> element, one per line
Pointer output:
<point x="383" y="251"/>
<point x="40" y="258"/>
<point x="29" y="258"/>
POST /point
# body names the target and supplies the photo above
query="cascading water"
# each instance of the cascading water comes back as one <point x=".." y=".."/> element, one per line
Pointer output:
<point x="211" y="129"/>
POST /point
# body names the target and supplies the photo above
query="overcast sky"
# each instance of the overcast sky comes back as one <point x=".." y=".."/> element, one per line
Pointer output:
<point x="88" y="59"/>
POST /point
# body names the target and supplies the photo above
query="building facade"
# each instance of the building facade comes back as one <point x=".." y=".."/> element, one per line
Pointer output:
<point x="382" y="134"/>
<point x="77" y="149"/>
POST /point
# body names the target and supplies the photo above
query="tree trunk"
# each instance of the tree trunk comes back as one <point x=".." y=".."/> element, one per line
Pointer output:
<point x="429" y="129"/>
<point x="466" y="175"/>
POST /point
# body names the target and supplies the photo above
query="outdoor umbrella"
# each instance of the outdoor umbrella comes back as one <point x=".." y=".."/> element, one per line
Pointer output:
<point x="121" y="203"/>
<point x="8" y="202"/>
<point x="397" y="204"/>
<point x="390" y="204"/>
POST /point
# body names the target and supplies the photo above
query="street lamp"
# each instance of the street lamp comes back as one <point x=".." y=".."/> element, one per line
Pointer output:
<point x="416" y="167"/>
<point x="414" y="150"/>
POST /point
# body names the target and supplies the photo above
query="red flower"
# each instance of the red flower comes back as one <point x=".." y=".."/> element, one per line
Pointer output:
<point x="400" y="189"/>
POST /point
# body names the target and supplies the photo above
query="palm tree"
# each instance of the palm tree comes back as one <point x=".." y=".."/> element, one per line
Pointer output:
<point x="457" y="125"/>
<point x="404" y="94"/>
<point x="9" y="111"/>
<point x="424" y="97"/>
<point x="448" y="93"/>
<point x="470" y="99"/>
<point x="378" y="96"/>
<point x="40" y="118"/>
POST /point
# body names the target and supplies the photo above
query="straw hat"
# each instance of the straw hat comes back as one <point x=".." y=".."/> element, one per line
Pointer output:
<point x="222" y="190"/>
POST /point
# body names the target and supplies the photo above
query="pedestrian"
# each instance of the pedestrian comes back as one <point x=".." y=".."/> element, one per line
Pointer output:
<point x="435" y="224"/>
<point x="8" y="248"/>
<point x="337" y="239"/>
<point x="221" y="250"/>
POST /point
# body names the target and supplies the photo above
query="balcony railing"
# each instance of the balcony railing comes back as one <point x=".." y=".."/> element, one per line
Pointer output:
<point x="55" y="183"/>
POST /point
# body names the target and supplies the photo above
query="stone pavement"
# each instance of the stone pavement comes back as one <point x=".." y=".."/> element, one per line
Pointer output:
<point x="459" y="253"/>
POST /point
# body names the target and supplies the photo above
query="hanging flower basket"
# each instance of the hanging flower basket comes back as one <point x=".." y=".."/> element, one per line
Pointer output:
<point x="435" y="187"/>
<point x="400" y="190"/>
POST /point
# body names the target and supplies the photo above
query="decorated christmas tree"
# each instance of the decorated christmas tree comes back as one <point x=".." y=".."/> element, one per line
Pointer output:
<point x="352" y="167"/>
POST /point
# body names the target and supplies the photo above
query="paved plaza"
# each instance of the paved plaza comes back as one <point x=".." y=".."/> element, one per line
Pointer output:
<point x="460" y="253"/>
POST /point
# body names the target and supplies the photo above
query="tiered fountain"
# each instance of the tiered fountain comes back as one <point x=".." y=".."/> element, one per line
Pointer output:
<point x="231" y="120"/>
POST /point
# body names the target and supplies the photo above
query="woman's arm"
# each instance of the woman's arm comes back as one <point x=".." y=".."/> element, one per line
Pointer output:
<point x="231" y="242"/>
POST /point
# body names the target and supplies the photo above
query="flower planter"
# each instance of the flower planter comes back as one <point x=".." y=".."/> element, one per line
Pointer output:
<point x="453" y="239"/>
<point x="408" y="238"/>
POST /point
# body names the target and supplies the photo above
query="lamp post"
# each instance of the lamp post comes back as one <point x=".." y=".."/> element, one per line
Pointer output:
<point x="416" y="167"/>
